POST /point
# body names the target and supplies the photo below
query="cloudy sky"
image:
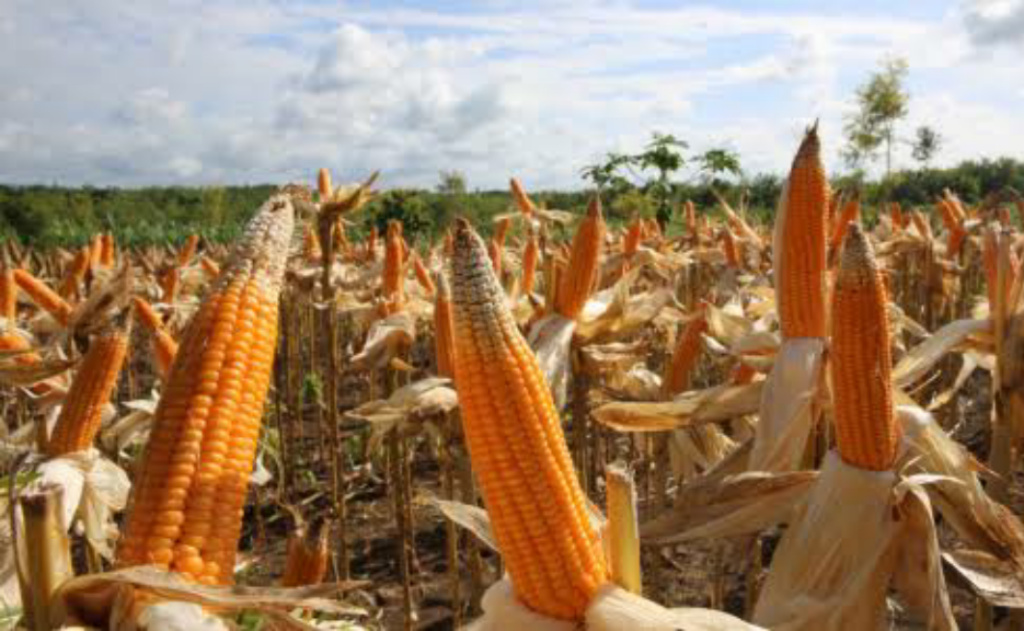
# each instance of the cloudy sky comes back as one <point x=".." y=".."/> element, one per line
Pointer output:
<point x="234" y="91"/>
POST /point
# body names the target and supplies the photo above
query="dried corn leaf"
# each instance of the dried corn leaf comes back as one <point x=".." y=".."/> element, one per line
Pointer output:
<point x="923" y="357"/>
<point x="472" y="518"/>
<point x="719" y="403"/>
<point x="998" y="581"/>
<point x="551" y="340"/>
<point x="385" y="339"/>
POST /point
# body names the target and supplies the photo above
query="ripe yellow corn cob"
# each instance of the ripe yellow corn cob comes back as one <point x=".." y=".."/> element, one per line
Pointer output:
<point x="96" y="252"/>
<point x="800" y="260"/>
<point x="954" y="227"/>
<point x="323" y="184"/>
<point x="691" y="218"/>
<point x="530" y="255"/>
<point x="393" y="289"/>
<point x="684" y="357"/>
<point x="867" y="434"/>
<point x="371" y="245"/>
<point x="494" y="253"/>
<point x="80" y="418"/>
<point x="169" y="284"/>
<point x="850" y="214"/>
<point x="187" y="501"/>
<point x="522" y="200"/>
<point x="896" y="216"/>
<point x="8" y="295"/>
<point x="308" y="553"/>
<point x="732" y="258"/>
<point x="164" y="345"/>
<point x="631" y="242"/>
<point x="43" y="296"/>
<point x="108" y="251"/>
<point x="501" y="231"/>
<point x="423" y="275"/>
<point x="75" y="275"/>
<point x="536" y="505"/>
<point x="584" y="263"/>
<point x="443" y="335"/>
<point x="188" y="249"/>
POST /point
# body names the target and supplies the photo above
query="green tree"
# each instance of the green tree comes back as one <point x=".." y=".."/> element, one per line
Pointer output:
<point x="606" y="174"/>
<point x="927" y="143"/>
<point x="664" y="155"/>
<point x="881" y="103"/>
<point x="452" y="183"/>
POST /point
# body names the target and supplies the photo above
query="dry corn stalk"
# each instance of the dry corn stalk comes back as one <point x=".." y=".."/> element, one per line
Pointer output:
<point x="516" y="444"/>
<point x="187" y="502"/>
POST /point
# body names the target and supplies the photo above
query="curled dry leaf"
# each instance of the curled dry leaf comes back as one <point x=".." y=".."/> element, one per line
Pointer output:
<point x="385" y="339"/>
<point x="720" y="403"/>
<point x="551" y="340"/>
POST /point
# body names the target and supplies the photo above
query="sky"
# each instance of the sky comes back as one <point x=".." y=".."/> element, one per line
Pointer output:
<point x="212" y="92"/>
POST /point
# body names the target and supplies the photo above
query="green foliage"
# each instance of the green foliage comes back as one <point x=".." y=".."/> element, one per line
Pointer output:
<point x="452" y="183"/>
<point x="927" y="143"/>
<point x="630" y="203"/>
<point x="881" y="102"/>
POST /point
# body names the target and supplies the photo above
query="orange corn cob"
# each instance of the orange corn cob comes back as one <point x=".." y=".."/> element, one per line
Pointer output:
<point x="323" y="184"/>
<point x="742" y="374"/>
<point x="308" y="553"/>
<point x="80" y="417"/>
<point x="954" y="227"/>
<point x="43" y="296"/>
<point x="443" y="336"/>
<point x="732" y="258"/>
<point x="75" y="275"/>
<point x="537" y="508"/>
<point x="449" y="244"/>
<point x="691" y="217"/>
<point x="850" y="214"/>
<point x="494" y="252"/>
<point x="96" y="252"/>
<point x="867" y="434"/>
<point x="169" y="284"/>
<point x="833" y="205"/>
<point x="187" y="501"/>
<point x="423" y="275"/>
<point x="631" y="242"/>
<point x="501" y="230"/>
<point x="188" y="250"/>
<point x="108" y="250"/>
<point x="921" y="223"/>
<point x="530" y="255"/>
<point x="584" y="261"/>
<point x="896" y="216"/>
<point x="521" y="199"/>
<point x="393" y="290"/>
<point x="8" y="295"/>
<point x="371" y="245"/>
<point x="210" y="267"/>
<point x="800" y="266"/>
<point x="684" y="357"/>
<point x="164" y="345"/>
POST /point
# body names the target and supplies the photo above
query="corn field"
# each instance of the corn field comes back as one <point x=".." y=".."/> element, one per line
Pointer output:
<point x="717" y="424"/>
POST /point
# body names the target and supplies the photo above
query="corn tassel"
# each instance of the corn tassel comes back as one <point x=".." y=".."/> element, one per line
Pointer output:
<point x="186" y="508"/>
<point x="867" y="434"/>
<point x="43" y="296"/>
<point x="82" y="413"/>
<point x="537" y="508"/>
<point x="584" y="267"/>
<point x="96" y="252"/>
<point x="164" y="345"/>
<point x="800" y="244"/>
<point x="311" y="245"/>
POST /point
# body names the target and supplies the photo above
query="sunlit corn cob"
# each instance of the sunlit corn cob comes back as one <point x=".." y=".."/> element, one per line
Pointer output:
<point x="501" y="231"/>
<point x="867" y="434"/>
<point x="108" y="251"/>
<point x="579" y="280"/>
<point x="850" y="214"/>
<point x="94" y="382"/>
<point x="800" y="245"/>
<point x="393" y="289"/>
<point x="742" y="373"/>
<point x="896" y="216"/>
<point x="684" y="357"/>
<point x="75" y="275"/>
<point x="537" y="508"/>
<point x="210" y="267"/>
<point x="308" y="554"/>
<point x="96" y="252"/>
<point x="43" y="296"/>
<point x="187" y="501"/>
<point x="530" y="254"/>
<point x="188" y="249"/>
<point x="990" y="259"/>
<point x="691" y="218"/>
<point x="371" y="245"/>
<point x="165" y="348"/>
<point x="169" y="284"/>
<point x="522" y="200"/>
<point x="323" y="184"/>
<point x="494" y="253"/>
<point x="8" y="295"/>
<point x="423" y="275"/>
<point x="631" y="242"/>
<point x="729" y="248"/>
<point x="954" y="227"/>
<point x="443" y="336"/>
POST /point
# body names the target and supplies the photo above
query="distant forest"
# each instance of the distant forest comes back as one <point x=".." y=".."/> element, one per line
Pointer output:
<point x="46" y="216"/>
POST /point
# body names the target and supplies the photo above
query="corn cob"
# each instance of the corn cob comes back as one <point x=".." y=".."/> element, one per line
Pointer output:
<point x="96" y="252"/>
<point x="340" y="237"/>
<point x="169" y="284"/>
<point x="861" y="365"/>
<point x="851" y="211"/>
<point x="186" y="509"/>
<point x="164" y="345"/>
<point x="308" y="554"/>
<point x="8" y="295"/>
<point x="954" y="227"/>
<point x="732" y="258"/>
<point x="896" y="216"/>
<point x="80" y="418"/>
<point x="494" y="253"/>
<point x="371" y="245"/>
<point x="75" y="275"/>
<point x="393" y="289"/>
<point x="443" y="336"/>
<point x="631" y="243"/>
<point x="188" y="249"/>
<point x="210" y="267"/>
<point x="584" y="261"/>
<point x="684" y="357"/>
<point x="530" y="254"/>
<point x="536" y="505"/>
<point x="423" y="275"/>
<point x="521" y="199"/>
<point x="323" y="184"/>
<point x="800" y="248"/>
<point x="501" y="230"/>
<point x="108" y="250"/>
<point x="43" y="296"/>
<point x="311" y="244"/>
<point x="742" y="373"/>
<point x="449" y="244"/>
<point x="691" y="218"/>
<point x="921" y="224"/>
